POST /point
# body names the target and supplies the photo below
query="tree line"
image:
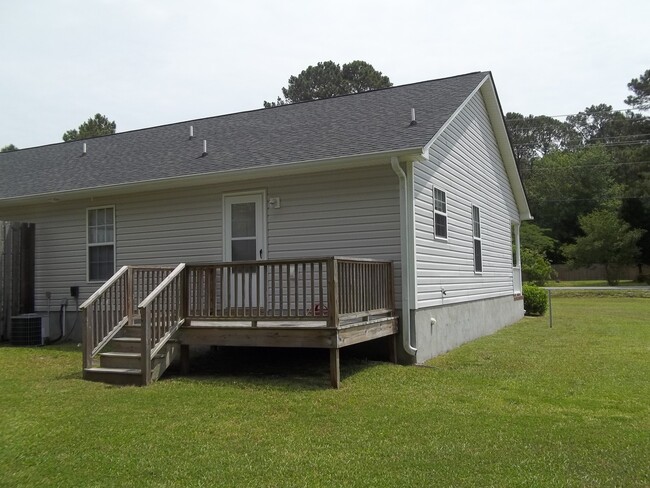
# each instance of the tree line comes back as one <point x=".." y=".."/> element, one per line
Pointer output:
<point x="587" y="179"/>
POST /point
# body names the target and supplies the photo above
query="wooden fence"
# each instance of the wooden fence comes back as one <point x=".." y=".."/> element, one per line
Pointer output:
<point x="16" y="272"/>
<point x="595" y="272"/>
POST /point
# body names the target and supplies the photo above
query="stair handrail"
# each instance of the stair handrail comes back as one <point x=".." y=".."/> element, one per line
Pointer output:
<point x="91" y="340"/>
<point x="150" y="348"/>
<point x="102" y="289"/>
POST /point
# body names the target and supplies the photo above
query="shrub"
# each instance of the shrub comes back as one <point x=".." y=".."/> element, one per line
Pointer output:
<point x="535" y="300"/>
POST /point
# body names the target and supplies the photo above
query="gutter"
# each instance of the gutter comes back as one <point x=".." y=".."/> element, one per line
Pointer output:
<point x="405" y="246"/>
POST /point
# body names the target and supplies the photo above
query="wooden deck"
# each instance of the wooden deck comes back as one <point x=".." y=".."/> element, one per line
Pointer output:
<point x="326" y="303"/>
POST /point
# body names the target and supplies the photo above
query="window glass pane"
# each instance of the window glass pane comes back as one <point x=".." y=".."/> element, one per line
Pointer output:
<point x="243" y="219"/>
<point x="101" y="265"/>
<point x="92" y="235"/>
<point x="476" y="221"/>
<point x="244" y="250"/>
<point x="514" y="245"/>
<point x="101" y="218"/>
<point x="109" y="216"/>
<point x="109" y="234"/>
<point x="441" y="225"/>
<point x="92" y="217"/>
<point x="478" y="263"/>
<point x="440" y="200"/>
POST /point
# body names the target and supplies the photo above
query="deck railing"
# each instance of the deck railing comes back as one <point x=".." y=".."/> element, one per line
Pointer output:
<point x="114" y="305"/>
<point x="320" y="289"/>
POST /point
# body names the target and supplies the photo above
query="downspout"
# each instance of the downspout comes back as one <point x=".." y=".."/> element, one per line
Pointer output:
<point x="405" y="245"/>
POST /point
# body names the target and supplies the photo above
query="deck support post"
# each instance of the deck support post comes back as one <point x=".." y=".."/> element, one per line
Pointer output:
<point x="185" y="359"/>
<point x="392" y="348"/>
<point x="335" y="367"/>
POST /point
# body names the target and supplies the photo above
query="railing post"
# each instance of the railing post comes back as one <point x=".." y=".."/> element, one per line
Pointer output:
<point x="333" y="292"/>
<point x="391" y="286"/>
<point x="129" y="295"/>
<point x="145" y="345"/>
<point x="86" y="340"/>
<point x="185" y="292"/>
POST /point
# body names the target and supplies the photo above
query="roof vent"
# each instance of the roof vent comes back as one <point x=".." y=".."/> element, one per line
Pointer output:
<point x="84" y="150"/>
<point x="205" y="148"/>
<point x="413" y="121"/>
<point x="191" y="132"/>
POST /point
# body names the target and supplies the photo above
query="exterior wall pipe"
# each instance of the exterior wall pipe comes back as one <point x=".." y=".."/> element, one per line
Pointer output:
<point x="405" y="246"/>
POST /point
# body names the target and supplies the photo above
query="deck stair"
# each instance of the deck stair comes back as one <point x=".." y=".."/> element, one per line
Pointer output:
<point x="120" y="363"/>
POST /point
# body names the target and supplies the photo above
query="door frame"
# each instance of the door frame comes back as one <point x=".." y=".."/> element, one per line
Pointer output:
<point x="258" y="196"/>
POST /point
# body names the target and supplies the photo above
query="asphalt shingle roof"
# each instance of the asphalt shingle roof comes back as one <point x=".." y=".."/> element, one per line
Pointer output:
<point x="370" y="122"/>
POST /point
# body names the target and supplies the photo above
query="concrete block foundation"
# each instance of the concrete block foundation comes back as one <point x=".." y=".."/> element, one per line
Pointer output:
<point x="440" y="329"/>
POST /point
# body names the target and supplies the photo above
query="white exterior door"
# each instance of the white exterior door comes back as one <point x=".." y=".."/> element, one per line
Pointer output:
<point x="245" y="240"/>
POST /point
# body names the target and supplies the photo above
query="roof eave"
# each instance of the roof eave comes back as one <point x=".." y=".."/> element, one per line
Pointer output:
<point x="298" y="167"/>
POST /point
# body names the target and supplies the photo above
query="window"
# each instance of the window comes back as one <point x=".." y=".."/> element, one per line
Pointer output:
<point x="476" y="230"/>
<point x="439" y="213"/>
<point x="101" y="243"/>
<point x="515" y="244"/>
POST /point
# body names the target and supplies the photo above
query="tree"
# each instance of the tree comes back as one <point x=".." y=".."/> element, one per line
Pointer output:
<point x="532" y="236"/>
<point x="96" y="126"/>
<point x="536" y="245"/>
<point x="565" y="184"/>
<point x="607" y="240"/>
<point x="327" y="79"/>
<point x="535" y="136"/>
<point x="641" y="88"/>
<point x="535" y="267"/>
<point x="8" y="148"/>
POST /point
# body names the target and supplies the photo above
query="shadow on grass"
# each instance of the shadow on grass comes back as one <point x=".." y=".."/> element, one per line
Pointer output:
<point x="284" y="368"/>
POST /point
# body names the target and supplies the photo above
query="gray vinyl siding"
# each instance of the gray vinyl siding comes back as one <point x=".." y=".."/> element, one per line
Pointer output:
<point x="351" y="213"/>
<point x="466" y="163"/>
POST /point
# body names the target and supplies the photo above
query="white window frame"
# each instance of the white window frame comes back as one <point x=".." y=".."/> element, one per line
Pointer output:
<point x="439" y="212"/>
<point x="476" y="238"/>
<point x="97" y="244"/>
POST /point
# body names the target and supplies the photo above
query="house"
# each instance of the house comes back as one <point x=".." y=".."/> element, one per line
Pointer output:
<point x="420" y="178"/>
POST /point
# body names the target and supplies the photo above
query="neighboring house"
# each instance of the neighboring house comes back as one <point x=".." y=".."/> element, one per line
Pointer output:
<point x="420" y="174"/>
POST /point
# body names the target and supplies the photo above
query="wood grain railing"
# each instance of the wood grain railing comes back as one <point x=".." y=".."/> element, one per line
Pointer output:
<point x="114" y="305"/>
<point x="319" y="289"/>
<point x="105" y="312"/>
<point x="162" y="313"/>
<point x="365" y="288"/>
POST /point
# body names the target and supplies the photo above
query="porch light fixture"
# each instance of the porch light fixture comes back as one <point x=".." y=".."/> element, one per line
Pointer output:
<point x="274" y="202"/>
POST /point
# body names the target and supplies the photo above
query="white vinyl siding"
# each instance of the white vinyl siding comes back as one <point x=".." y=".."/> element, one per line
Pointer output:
<point x="345" y="213"/>
<point x="466" y="162"/>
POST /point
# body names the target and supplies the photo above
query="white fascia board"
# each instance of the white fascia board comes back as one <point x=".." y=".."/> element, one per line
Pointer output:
<point x="302" y="167"/>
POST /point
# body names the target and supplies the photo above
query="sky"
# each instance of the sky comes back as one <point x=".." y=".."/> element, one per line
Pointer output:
<point x="144" y="63"/>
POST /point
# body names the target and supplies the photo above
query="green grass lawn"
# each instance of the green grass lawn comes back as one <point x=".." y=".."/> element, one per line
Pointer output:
<point x="529" y="406"/>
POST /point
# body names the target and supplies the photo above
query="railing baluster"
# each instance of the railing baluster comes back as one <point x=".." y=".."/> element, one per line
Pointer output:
<point x="273" y="290"/>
